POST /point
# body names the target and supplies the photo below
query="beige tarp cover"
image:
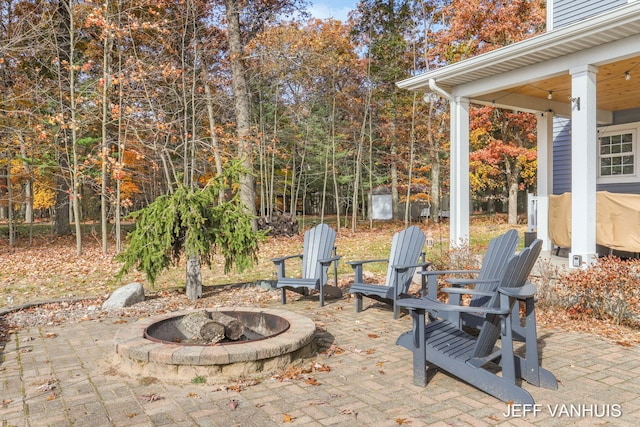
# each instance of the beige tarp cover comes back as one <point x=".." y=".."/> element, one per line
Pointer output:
<point x="617" y="220"/>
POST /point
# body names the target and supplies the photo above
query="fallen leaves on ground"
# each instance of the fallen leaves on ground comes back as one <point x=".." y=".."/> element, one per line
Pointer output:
<point x="333" y="350"/>
<point x="151" y="397"/>
<point x="312" y="381"/>
<point x="286" y="418"/>
<point x="347" y="411"/>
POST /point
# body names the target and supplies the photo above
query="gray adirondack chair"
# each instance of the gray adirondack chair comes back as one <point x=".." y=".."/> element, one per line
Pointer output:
<point x="500" y="250"/>
<point x="318" y="254"/>
<point x="404" y="258"/>
<point x="468" y="356"/>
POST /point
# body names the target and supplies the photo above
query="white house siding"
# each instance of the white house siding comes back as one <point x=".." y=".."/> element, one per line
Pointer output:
<point x="565" y="12"/>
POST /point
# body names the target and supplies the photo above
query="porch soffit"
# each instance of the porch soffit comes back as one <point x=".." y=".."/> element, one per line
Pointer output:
<point x="614" y="92"/>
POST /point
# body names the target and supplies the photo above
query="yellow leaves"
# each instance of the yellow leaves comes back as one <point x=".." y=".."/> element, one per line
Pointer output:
<point x="402" y="421"/>
<point x="288" y="418"/>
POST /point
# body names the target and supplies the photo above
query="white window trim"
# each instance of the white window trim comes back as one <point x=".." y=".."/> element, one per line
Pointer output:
<point x="634" y="129"/>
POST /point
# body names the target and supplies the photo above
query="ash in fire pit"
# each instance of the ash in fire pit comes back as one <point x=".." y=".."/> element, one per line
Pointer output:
<point x="216" y="327"/>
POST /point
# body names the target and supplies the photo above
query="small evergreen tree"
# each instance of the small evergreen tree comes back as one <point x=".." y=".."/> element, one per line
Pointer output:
<point x="192" y="222"/>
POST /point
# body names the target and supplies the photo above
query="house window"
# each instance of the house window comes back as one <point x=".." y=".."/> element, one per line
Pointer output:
<point x="617" y="154"/>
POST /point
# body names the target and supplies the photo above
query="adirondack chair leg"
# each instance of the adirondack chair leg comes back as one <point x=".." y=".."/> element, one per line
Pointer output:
<point x="284" y="296"/>
<point x="321" y="290"/>
<point x="358" y="303"/>
<point x="532" y="366"/>
<point x="507" y="359"/>
<point x="419" y="348"/>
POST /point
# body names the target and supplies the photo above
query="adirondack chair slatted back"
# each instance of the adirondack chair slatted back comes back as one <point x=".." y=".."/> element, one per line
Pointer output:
<point x="516" y="274"/>
<point x="406" y="248"/>
<point x="495" y="260"/>
<point x="318" y="244"/>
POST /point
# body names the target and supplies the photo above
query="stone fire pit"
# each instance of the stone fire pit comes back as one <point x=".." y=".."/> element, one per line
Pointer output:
<point x="155" y="347"/>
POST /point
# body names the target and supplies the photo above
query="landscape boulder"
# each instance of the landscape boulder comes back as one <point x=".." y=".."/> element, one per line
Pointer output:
<point x="125" y="296"/>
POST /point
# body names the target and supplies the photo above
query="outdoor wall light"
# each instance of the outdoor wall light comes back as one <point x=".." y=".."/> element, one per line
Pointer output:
<point x="550" y="96"/>
<point x="575" y="102"/>
<point x="627" y="75"/>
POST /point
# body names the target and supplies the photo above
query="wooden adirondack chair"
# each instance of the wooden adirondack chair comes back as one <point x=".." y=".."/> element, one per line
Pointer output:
<point x="406" y="251"/>
<point x="443" y="344"/>
<point x="498" y="254"/>
<point x="319" y="253"/>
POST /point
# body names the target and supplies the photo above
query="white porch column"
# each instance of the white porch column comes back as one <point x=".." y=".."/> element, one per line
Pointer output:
<point x="459" y="219"/>
<point x="584" y="158"/>
<point x="544" y="175"/>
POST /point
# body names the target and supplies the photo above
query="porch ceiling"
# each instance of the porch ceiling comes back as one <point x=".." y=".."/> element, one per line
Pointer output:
<point x="533" y="67"/>
<point x="614" y="91"/>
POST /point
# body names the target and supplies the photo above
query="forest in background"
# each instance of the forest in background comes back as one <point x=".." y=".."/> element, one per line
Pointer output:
<point x="105" y="106"/>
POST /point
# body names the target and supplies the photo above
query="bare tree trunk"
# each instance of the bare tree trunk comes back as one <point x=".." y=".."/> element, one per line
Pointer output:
<point x="194" y="278"/>
<point x="371" y="168"/>
<point x="333" y="162"/>
<point x="241" y="98"/>
<point x="395" y="198"/>
<point x="61" y="224"/>
<point x="358" y="173"/>
<point x="75" y="184"/>
<point x="106" y="81"/>
<point x="324" y="183"/>
<point x="215" y="147"/>
<point x="12" y="231"/>
<point x="407" y="208"/>
<point x="513" y="171"/>
<point x="28" y="186"/>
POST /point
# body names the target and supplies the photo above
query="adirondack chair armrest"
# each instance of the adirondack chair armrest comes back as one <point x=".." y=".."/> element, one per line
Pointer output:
<point x="524" y="292"/>
<point x="284" y="258"/>
<point x="443" y="272"/>
<point x="357" y="267"/>
<point x="436" y="306"/>
<point x="467" y="282"/>
<point x="327" y="261"/>
<point x="462" y="291"/>
<point x="354" y="264"/>
<point x="406" y="267"/>
<point x="280" y="264"/>
<point x="432" y="280"/>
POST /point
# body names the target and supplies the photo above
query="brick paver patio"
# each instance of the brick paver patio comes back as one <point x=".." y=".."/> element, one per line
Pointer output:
<point x="369" y="384"/>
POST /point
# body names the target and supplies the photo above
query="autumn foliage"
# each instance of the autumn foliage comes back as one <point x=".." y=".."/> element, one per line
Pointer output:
<point x="606" y="290"/>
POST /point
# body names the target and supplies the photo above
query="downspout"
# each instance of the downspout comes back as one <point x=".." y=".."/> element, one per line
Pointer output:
<point x="437" y="89"/>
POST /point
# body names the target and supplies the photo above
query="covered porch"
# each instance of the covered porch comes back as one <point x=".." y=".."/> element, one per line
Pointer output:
<point x="588" y="72"/>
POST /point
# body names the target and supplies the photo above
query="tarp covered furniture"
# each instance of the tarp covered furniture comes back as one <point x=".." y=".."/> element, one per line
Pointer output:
<point x="617" y="221"/>
<point x="318" y="254"/>
<point x="474" y="358"/>
<point x="495" y="260"/>
<point x="404" y="258"/>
